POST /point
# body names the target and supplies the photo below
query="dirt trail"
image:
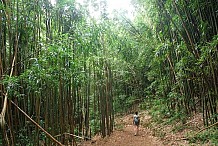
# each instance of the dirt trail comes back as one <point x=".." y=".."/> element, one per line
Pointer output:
<point x="125" y="136"/>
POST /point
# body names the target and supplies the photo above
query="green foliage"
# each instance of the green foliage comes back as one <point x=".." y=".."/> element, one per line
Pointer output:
<point x="67" y="61"/>
<point x="120" y="127"/>
<point x="12" y="85"/>
<point x="23" y="138"/>
<point x="205" y="137"/>
<point x="158" y="111"/>
<point x="123" y="103"/>
<point x="177" y="116"/>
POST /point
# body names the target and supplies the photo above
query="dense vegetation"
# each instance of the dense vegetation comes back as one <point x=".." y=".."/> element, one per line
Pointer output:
<point x="71" y="73"/>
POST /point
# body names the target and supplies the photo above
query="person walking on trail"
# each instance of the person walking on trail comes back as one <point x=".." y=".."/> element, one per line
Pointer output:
<point x="136" y="122"/>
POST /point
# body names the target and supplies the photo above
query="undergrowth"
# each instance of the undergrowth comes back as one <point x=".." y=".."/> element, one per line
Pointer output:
<point x="119" y="127"/>
<point x="207" y="136"/>
<point x="162" y="117"/>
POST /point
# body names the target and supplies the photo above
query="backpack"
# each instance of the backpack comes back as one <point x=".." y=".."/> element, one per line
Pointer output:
<point x="136" y="119"/>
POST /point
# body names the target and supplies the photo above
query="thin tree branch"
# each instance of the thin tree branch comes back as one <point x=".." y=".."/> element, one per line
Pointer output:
<point x="206" y="128"/>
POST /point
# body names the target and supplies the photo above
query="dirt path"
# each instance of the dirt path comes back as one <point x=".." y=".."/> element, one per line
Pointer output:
<point x="125" y="136"/>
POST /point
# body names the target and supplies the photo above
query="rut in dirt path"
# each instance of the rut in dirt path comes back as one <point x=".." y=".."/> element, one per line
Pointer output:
<point x="125" y="137"/>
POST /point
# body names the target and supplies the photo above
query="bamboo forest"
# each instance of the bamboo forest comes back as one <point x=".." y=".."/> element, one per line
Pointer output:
<point x="69" y="69"/>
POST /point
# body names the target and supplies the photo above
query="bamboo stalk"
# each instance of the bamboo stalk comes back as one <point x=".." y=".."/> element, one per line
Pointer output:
<point x="37" y="125"/>
<point x="187" y="33"/>
<point x="2" y="115"/>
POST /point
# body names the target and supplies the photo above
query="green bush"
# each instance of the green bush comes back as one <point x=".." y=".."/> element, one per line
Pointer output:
<point x="210" y="135"/>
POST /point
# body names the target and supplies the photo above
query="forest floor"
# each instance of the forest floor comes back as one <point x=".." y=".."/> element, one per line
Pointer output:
<point x="150" y="133"/>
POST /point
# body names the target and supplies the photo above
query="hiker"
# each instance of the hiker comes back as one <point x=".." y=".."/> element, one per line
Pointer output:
<point x="136" y="122"/>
